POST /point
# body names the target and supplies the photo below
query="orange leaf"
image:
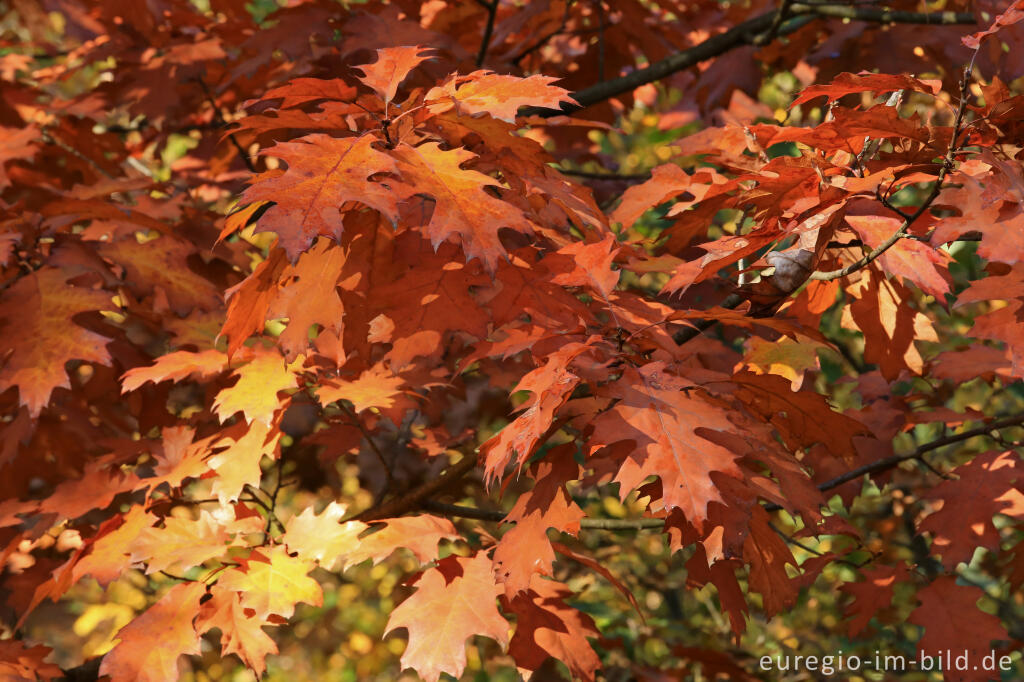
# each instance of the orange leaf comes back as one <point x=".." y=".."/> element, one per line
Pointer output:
<point x="419" y="534"/>
<point x="255" y="393"/>
<point x="40" y="335"/>
<point x="181" y="543"/>
<point x="176" y="366"/>
<point x="391" y="68"/>
<point x="547" y="627"/>
<point x="323" y="173"/>
<point x="501" y="96"/>
<point x="151" y="644"/>
<point x="239" y="634"/>
<point x="376" y="387"/>
<point x="665" y="424"/>
<point x="320" y="537"/>
<point x="462" y="206"/>
<point x="239" y="464"/>
<point x="273" y="583"/>
<point x="453" y="601"/>
<point x="667" y="181"/>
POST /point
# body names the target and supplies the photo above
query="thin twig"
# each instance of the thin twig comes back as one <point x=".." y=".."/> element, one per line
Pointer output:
<point x="944" y="170"/>
<point x="358" y="423"/>
<point x="816" y="552"/>
<point x="870" y="146"/>
<point x="219" y="118"/>
<point x="895" y="460"/>
<point x="267" y="507"/>
<point x="590" y="175"/>
<point x="492" y="11"/>
<point x="780" y="16"/>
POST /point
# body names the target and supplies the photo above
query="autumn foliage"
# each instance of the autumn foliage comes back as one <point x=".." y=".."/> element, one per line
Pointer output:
<point x="602" y="340"/>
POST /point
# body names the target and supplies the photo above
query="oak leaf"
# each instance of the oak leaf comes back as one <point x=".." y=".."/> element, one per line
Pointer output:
<point x="499" y="95"/>
<point x="550" y="386"/>
<point x="872" y="595"/>
<point x="546" y="627"/>
<point x="40" y="335"/>
<point x="667" y="182"/>
<point x="321" y="537"/>
<point x="463" y="205"/>
<point x="238" y="464"/>
<point x="111" y="548"/>
<point x="376" y="387"/>
<point x="179" y="457"/>
<point x="990" y="484"/>
<point x="391" y="68"/>
<point x="945" y="607"/>
<point x="420" y="534"/>
<point x="176" y="366"/>
<point x="665" y="424"/>
<point x="240" y="634"/>
<point x="21" y="663"/>
<point x="848" y="83"/>
<point x="161" y="267"/>
<point x="323" y="173"/>
<point x="453" y="601"/>
<point x="180" y="543"/>
<point x="255" y="392"/>
<point x="150" y="645"/>
<point x="272" y="583"/>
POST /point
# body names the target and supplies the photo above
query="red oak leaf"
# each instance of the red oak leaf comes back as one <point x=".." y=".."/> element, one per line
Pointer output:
<point x="391" y="68"/>
<point x="453" y="601"/>
<point x="463" y="204"/>
<point x="323" y="173"/>
<point x="40" y="336"/>
<point x="149" y="646"/>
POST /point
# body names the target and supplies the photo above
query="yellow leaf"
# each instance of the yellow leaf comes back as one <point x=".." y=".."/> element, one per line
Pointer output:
<point x="274" y="583"/>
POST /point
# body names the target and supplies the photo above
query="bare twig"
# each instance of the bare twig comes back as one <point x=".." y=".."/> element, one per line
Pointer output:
<point x="589" y="175"/>
<point x="816" y="552"/>
<point x="870" y="146"/>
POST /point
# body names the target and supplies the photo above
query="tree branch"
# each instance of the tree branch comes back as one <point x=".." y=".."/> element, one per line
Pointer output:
<point x="492" y="11"/>
<point x="590" y="175"/>
<point x="891" y="462"/>
<point x="415" y="497"/>
<point x="688" y="333"/>
<point x="496" y="516"/>
<point x="368" y="437"/>
<point x="781" y="15"/>
<point x="639" y="524"/>
<point x="743" y="34"/>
